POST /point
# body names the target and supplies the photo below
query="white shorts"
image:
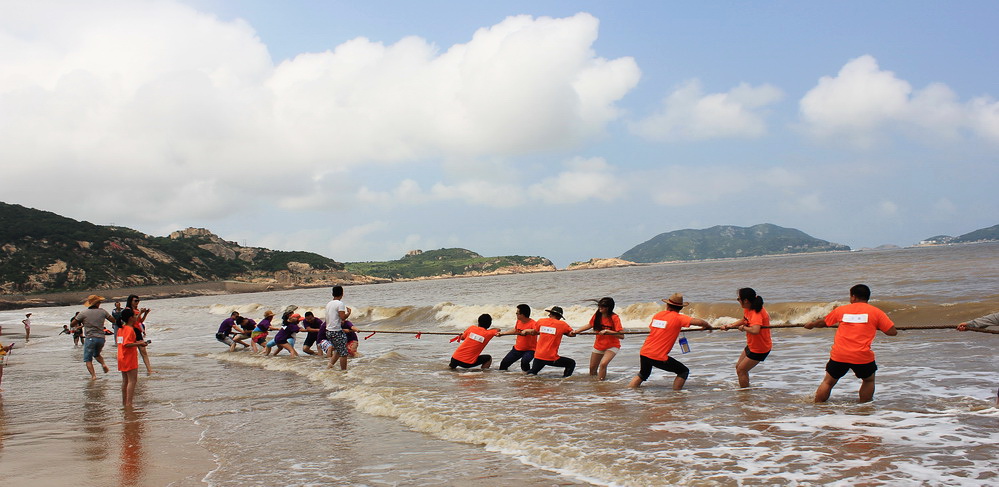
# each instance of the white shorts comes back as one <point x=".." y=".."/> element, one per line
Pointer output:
<point x="616" y="350"/>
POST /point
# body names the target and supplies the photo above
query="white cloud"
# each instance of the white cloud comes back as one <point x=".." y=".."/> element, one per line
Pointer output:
<point x="188" y="101"/>
<point x="585" y="179"/>
<point x="887" y="208"/>
<point x="863" y="103"/>
<point x="689" y="114"/>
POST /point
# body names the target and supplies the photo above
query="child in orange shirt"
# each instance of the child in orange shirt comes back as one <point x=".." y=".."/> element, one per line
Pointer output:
<point x="128" y="355"/>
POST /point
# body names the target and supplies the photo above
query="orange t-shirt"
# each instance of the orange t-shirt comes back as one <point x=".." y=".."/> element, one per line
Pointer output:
<point x="858" y="323"/>
<point x="761" y="342"/>
<point x="663" y="330"/>
<point x="550" y="337"/>
<point x="526" y="342"/>
<point x="603" y="342"/>
<point x="475" y="338"/>
<point x="128" y="357"/>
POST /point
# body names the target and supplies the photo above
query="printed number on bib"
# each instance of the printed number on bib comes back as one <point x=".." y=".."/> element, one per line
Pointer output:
<point x="658" y="324"/>
<point x="477" y="337"/>
<point x="547" y="330"/>
<point x="855" y="318"/>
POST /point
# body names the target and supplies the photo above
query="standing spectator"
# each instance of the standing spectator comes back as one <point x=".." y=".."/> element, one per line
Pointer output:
<point x="27" y="326"/>
<point x="128" y="360"/>
<point x="92" y="320"/>
<point x="337" y="314"/>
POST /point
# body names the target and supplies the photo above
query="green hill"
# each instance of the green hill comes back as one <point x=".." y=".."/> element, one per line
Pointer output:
<point x="981" y="235"/>
<point x="41" y="251"/>
<point x="448" y="262"/>
<point x="726" y="241"/>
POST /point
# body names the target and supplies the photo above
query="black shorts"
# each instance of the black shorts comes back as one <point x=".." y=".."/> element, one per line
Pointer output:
<point x="310" y="338"/>
<point x="670" y="365"/>
<point x="479" y="361"/>
<point x="759" y="357"/>
<point x="839" y="369"/>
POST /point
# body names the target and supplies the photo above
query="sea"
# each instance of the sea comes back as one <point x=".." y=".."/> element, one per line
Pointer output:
<point x="400" y="416"/>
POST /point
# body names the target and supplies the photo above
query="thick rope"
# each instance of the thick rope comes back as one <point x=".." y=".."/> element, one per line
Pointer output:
<point x="900" y="328"/>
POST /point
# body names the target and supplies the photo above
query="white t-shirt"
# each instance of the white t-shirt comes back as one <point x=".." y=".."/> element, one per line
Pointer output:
<point x="333" y="309"/>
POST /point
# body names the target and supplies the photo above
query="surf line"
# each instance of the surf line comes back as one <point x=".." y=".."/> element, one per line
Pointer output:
<point x="418" y="334"/>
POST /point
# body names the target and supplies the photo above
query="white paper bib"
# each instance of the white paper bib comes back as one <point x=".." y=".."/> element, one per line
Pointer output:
<point x="855" y="318"/>
<point x="547" y="330"/>
<point x="658" y="324"/>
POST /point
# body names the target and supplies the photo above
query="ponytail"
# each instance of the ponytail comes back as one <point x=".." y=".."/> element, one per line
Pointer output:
<point x="748" y="294"/>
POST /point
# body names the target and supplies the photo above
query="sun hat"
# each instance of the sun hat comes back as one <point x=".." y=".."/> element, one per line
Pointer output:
<point x="676" y="300"/>
<point x="556" y="310"/>
<point x="92" y="300"/>
<point x="268" y="314"/>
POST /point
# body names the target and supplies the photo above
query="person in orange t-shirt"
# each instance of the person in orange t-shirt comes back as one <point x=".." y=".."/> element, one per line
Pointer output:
<point x="550" y="333"/>
<point x="128" y="355"/>
<point x="756" y="323"/>
<point x="858" y="323"/>
<point x="663" y="330"/>
<point x="526" y="330"/>
<point x="473" y="340"/>
<point x="607" y="326"/>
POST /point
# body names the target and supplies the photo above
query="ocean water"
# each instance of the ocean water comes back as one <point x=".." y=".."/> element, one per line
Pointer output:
<point x="399" y="416"/>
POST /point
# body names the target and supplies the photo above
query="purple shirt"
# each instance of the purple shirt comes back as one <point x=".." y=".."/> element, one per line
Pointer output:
<point x="248" y="325"/>
<point x="286" y="332"/>
<point x="264" y="325"/>
<point x="226" y="326"/>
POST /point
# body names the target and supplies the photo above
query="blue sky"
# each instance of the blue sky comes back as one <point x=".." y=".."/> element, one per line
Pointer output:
<point x="570" y="130"/>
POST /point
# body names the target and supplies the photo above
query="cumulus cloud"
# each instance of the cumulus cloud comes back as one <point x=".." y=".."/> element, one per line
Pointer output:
<point x="863" y="102"/>
<point x="583" y="179"/>
<point x="192" y="101"/>
<point x="689" y="114"/>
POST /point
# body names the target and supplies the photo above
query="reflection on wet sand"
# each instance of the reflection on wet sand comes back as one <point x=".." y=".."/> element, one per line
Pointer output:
<point x="95" y="416"/>
<point x="130" y="457"/>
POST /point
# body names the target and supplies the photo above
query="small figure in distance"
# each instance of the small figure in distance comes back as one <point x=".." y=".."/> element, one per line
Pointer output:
<point x="857" y="323"/>
<point x="665" y="327"/>
<point x="473" y="340"/>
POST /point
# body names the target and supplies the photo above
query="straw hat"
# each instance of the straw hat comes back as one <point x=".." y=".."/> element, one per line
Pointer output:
<point x="268" y="314"/>
<point x="676" y="300"/>
<point x="92" y="300"/>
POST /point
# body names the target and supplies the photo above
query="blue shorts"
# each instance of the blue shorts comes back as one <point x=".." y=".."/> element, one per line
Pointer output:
<point x="291" y="341"/>
<point x="92" y="348"/>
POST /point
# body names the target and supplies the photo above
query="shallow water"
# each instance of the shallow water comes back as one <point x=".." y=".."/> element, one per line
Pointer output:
<point x="398" y="416"/>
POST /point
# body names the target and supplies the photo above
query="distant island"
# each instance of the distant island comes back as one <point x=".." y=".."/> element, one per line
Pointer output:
<point x="418" y="264"/>
<point x="726" y="241"/>
<point x="990" y="234"/>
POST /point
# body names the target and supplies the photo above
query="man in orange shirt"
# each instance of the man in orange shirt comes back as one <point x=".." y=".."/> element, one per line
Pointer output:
<point x="857" y="323"/>
<point x="550" y="333"/>
<point x="526" y="330"/>
<point x="663" y="331"/>
<point x="474" y="339"/>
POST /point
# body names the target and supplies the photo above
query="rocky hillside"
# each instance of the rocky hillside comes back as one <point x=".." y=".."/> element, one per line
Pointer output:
<point x="449" y="263"/>
<point x="41" y="251"/>
<point x="726" y="241"/>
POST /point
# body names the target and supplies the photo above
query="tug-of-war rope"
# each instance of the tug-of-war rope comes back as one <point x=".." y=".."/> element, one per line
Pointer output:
<point x="418" y="334"/>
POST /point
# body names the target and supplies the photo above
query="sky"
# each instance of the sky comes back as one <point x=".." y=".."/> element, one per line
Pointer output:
<point x="565" y="129"/>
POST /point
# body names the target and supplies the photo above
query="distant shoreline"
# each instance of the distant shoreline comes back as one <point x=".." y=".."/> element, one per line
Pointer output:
<point x="24" y="301"/>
